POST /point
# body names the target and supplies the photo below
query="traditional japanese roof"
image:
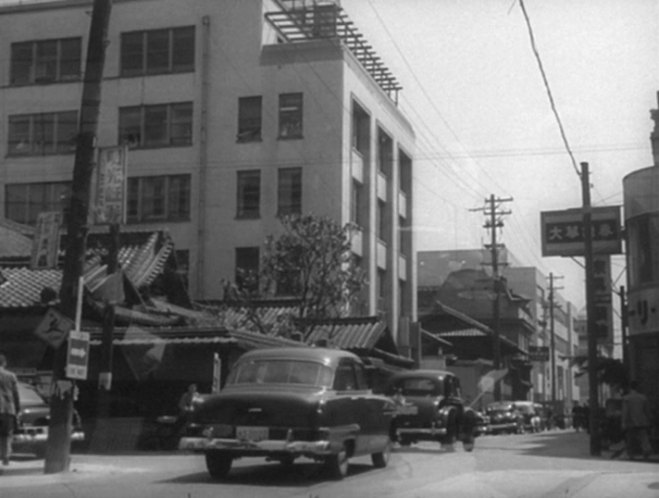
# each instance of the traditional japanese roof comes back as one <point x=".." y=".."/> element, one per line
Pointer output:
<point x="356" y="333"/>
<point x="15" y="240"/>
<point x="22" y="288"/>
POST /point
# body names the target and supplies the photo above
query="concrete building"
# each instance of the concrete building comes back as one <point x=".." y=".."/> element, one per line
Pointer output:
<point x="641" y="208"/>
<point x="234" y="113"/>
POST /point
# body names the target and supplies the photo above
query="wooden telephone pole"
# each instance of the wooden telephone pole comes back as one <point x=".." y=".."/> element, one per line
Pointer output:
<point x="58" y="448"/>
<point x="494" y="221"/>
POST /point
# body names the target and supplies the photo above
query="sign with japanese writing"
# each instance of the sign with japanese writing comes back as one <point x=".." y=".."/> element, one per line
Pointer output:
<point x="539" y="353"/>
<point x="563" y="232"/>
<point x="77" y="357"/>
<point x="603" y="307"/>
<point x="110" y="193"/>
<point x="45" y="244"/>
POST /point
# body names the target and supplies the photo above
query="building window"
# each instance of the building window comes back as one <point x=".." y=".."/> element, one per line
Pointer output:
<point x="42" y="134"/>
<point x="247" y="269"/>
<point x="164" y="125"/>
<point x="290" y="115"/>
<point x="249" y="119"/>
<point x="158" y="51"/>
<point x="289" y="194"/>
<point x="158" y="198"/>
<point x="249" y="194"/>
<point x="356" y="204"/>
<point x="24" y="201"/>
<point x="45" y="61"/>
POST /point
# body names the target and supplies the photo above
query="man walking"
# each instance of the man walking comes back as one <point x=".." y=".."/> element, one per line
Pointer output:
<point x="10" y="405"/>
<point x="636" y="421"/>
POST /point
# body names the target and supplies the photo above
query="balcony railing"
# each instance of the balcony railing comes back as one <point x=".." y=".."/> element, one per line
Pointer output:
<point x="304" y="20"/>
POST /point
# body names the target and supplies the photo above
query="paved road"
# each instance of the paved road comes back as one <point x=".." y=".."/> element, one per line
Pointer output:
<point x="547" y="465"/>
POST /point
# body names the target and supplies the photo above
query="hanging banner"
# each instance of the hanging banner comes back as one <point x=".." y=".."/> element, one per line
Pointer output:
<point x="45" y="245"/>
<point x="110" y="192"/>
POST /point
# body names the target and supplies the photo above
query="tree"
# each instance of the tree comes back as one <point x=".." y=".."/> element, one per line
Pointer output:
<point x="310" y="261"/>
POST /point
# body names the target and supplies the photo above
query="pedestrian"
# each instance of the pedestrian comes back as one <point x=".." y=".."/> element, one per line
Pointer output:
<point x="577" y="417"/>
<point x="636" y="418"/>
<point x="186" y="406"/>
<point x="468" y="422"/>
<point x="10" y="406"/>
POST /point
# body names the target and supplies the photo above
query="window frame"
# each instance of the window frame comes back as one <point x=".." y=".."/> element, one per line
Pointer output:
<point x="289" y="194"/>
<point x="250" y="119"/>
<point x="53" y="198"/>
<point x="247" y="208"/>
<point x="43" y="133"/>
<point x="139" y="132"/>
<point x="24" y="73"/>
<point x="291" y="115"/>
<point x="156" y="205"/>
<point x="175" y="56"/>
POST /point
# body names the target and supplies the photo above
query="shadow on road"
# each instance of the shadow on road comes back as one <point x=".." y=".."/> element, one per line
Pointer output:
<point x="270" y="474"/>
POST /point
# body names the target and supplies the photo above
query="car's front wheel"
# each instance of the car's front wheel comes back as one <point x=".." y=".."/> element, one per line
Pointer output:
<point x="381" y="460"/>
<point x="218" y="464"/>
<point x="337" y="464"/>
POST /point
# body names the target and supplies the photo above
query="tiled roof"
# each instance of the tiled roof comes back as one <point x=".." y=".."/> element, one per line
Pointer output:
<point x="15" y="240"/>
<point x="141" y="263"/>
<point x="23" y="286"/>
<point x="468" y="332"/>
<point x="346" y="335"/>
<point x="254" y="340"/>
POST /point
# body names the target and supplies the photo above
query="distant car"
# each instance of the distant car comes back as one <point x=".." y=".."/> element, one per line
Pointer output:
<point x="286" y="403"/>
<point x="504" y="417"/>
<point x="530" y="414"/>
<point x="429" y="406"/>
<point x="482" y="422"/>
<point x="31" y="433"/>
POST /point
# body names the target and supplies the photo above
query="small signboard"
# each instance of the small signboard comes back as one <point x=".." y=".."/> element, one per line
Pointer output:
<point x="602" y="295"/>
<point x="45" y="245"/>
<point x="77" y="356"/>
<point x="54" y="328"/>
<point x="563" y="233"/>
<point x="110" y="194"/>
<point x="539" y="353"/>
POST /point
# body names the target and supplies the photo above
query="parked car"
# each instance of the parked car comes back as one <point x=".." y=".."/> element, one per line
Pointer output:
<point x="286" y="403"/>
<point x="429" y="406"/>
<point x="530" y="414"/>
<point x="31" y="433"/>
<point x="504" y="417"/>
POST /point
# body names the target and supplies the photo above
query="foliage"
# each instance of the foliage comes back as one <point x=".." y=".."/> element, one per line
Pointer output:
<point x="311" y="263"/>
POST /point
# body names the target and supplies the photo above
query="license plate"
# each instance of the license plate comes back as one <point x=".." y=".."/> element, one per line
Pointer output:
<point x="408" y="410"/>
<point x="251" y="433"/>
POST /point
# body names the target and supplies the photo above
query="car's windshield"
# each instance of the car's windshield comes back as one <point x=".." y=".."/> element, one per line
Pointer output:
<point x="415" y="386"/>
<point x="281" y="372"/>
<point x="29" y="396"/>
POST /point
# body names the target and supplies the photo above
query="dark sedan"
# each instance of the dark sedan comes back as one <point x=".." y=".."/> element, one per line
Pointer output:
<point x="31" y="434"/>
<point x="429" y="406"/>
<point x="504" y="417"/>
<point x="287" y="403"/>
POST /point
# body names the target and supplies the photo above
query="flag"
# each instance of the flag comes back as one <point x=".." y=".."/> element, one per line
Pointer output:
<point x="487" y="381"/>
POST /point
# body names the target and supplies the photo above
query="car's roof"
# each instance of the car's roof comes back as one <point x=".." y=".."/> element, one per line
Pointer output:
<point x="324" y="355"/>
<point x="435" y="374"/>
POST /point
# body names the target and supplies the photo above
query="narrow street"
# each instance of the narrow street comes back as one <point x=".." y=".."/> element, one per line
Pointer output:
<point x="548" y="464"/>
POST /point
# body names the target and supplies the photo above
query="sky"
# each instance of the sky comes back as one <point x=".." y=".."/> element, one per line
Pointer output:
<point x="473" y="90"/>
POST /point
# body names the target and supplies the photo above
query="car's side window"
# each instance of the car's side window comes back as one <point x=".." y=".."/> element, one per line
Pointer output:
<point x="360" y="377"/>
<point x="344" y="379"/>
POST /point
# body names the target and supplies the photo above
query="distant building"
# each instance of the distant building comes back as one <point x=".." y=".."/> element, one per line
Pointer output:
<point x="234" y="113"/>
<point x="525" y="318"/>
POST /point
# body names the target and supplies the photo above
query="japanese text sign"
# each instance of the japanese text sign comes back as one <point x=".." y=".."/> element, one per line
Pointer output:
<point x="563" y="232"/>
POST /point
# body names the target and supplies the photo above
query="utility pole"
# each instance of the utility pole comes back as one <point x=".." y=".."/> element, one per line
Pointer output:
<point x="58" y="448"/>
<point x="593" y="394"/>
<point x="494" y="213"/>
<point x="552" y="337"/>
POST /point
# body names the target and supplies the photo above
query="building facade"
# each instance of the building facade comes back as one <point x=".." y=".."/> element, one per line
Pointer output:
<point x="233" y="114"/>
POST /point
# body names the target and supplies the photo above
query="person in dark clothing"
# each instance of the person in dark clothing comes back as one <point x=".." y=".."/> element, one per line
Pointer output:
<point x="10" y="406"/>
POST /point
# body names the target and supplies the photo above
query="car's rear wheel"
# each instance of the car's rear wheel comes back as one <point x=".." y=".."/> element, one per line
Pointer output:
<point x="337" y="464"/>
<point x="381" y="460"/>
<point x="218" y="464"/>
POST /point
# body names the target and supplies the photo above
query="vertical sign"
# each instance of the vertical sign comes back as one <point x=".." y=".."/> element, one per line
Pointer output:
<point x="602" y="296"/>
<point x="217" y="373"/>
<point x="77" y="356"/>
<point x="45" y="244"/>
<point x="110" y="193"/>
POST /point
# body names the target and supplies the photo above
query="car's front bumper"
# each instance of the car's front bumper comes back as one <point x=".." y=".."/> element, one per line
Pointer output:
<point x="34" y="437"/>
<point x="503" y="426"/>
<point x="254" y="448"/>
<point x="428" y="432"/>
